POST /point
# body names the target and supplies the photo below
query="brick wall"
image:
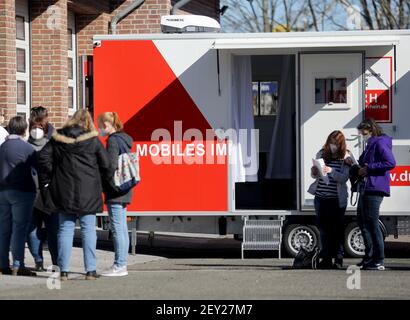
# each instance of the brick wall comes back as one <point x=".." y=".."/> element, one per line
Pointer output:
<point x="49" y="59"/>
<point x="49" y="69"/>
<point x="8" y="90"/>
<point x="87" y="26"/>
<point x="145" y="19"/>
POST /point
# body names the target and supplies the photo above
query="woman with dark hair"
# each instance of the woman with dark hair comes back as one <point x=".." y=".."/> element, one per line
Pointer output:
<point x="375" y="163"/>
<point x="17" y="194"/>
<point x="38" y="130"/>
<point x="73" y="165"/>
<point x="331" y="198"/>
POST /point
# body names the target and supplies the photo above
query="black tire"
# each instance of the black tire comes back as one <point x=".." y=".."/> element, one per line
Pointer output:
<point x="296" y="235"/>
<point x="354" y="245"/>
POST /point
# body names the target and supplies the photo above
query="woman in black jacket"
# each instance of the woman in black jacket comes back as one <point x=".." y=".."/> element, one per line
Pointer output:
<point x="38" y="129"/>
<point x="111" y="126"/>
<point x="72" y="167"/>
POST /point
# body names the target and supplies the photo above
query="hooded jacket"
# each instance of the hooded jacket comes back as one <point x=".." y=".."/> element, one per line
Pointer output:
<point x="379" y="159"/>
<point x="38" y="144"/>
<point x="73" y="165"/>
<point x="111" y="195"/>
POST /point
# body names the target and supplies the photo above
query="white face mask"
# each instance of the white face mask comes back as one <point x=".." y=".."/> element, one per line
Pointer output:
<point x="37" y="133"/>
<point x="333" y="148"/>
<point x="366" y="137"/>
<point x="103" y="133"/>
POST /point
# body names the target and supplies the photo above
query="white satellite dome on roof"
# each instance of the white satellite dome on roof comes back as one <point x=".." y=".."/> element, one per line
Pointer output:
<point x="188" y="23"/>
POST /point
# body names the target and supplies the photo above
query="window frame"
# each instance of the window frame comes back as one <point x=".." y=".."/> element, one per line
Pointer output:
<point x="22" y="11"/>
<point x="259" y="81"/>
<point x="333" y="105"/>
<point x="72" y="54"/>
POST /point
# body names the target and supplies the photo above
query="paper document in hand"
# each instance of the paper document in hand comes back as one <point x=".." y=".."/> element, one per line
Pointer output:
<point x="320" y="164"/>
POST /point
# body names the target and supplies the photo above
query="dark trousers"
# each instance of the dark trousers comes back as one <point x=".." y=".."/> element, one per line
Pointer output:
<point x="37" y="235"/>
<point x="368" y="209"/>
<point x="330" y="220"/>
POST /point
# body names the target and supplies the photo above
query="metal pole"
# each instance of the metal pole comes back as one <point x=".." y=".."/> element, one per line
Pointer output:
<point x="133" y="235"/>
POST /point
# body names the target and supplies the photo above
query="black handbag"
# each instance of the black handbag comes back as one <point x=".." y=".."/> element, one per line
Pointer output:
<point x="355" y="183"/>
<point x="307" y="259"/>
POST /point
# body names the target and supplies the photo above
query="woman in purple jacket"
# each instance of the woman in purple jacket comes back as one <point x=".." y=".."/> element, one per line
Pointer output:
<point x="376" y="162"/>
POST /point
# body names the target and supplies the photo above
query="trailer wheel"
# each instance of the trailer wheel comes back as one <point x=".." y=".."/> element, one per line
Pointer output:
<point x="300" y="235"/>
<point x="354" y="244"/>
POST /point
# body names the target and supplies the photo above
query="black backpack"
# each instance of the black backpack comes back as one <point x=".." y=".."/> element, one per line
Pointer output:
<point x="307" y="259"/>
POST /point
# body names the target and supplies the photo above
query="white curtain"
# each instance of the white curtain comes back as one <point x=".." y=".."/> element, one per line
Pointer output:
<point x="244" y="151"/>
<point x="280" y="164"/>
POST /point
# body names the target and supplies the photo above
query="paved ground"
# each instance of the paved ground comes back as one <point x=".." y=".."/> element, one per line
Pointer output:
<point x="209" y="277"/>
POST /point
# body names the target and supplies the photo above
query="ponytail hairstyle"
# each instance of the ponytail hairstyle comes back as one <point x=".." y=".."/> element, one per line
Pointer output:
<point x="112" y="118"/>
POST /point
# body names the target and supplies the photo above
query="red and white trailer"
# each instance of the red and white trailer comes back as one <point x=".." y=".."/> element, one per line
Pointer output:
<point x="305" y="85"/>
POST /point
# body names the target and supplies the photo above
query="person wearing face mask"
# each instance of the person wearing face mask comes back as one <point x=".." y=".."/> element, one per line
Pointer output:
<point x="110" y="126"/>
<point x="38" y="138"/>
<point x="3" y="131"/>
<point x="375" y="163"/>
<point x="331" y="198"/>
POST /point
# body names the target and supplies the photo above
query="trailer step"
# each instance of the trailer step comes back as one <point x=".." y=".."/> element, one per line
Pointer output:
<point x="262" y="235"/>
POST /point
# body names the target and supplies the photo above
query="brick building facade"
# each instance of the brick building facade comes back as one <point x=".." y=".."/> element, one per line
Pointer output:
<point x="42" y="42"/>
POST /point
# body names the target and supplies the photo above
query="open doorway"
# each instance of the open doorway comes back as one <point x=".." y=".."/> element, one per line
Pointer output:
<point x="274" y="114"/>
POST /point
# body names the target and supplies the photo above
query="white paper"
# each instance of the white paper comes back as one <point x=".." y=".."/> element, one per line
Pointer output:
<point x="320" y="164"/>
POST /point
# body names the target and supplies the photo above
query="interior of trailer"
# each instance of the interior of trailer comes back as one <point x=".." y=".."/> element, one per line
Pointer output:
<point x="272" y="110"/>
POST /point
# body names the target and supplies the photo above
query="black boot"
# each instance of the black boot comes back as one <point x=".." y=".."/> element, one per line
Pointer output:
<point x="338" y="265"/>
<point x="325" y="264"/>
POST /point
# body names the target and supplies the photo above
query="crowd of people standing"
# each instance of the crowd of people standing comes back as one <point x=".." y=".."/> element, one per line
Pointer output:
<point x="50" y="178"/>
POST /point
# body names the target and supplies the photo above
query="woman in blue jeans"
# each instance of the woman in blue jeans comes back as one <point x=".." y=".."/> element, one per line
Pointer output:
<point x="17" y="194"/>
<point x="111" y="126"/>
<point x="376" y="162"/>
<point x="73" y="165"/>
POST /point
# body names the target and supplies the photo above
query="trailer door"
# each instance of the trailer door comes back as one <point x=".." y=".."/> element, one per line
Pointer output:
<point x="331" y="98"/>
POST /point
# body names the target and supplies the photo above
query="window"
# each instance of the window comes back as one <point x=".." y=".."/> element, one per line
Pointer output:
<point x="70" y="39"/>
<point x="265" y="98"/>
<point x="22" y="114"/>
<point x="20" y="28"/>
<point x="71" y="63"/>
<point x="23" y="67"/>
<point x="330" y="90"/>
<point x="21" y="60"/>
<point x="70" y="97"/>
<point x="21" y="92"/>
<point x="70" y="68"/>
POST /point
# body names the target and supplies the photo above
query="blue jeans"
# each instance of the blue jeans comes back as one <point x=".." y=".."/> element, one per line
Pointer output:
<point x="118" y="220"/>
<point x="368" y="209"/>
<point x="37" y="235"/>
<point x="66" y="237"/>
<point x="330" y="220"/>
<point x="15" y="214"/>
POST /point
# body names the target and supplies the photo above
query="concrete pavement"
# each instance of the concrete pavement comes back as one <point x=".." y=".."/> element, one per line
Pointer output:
<point x="152" y="277"/>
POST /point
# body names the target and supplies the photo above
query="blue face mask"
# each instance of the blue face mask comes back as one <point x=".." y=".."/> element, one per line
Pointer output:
<point x="102" y="133"/>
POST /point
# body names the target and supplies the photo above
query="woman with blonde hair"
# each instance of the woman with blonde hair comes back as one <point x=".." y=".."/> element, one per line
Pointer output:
<point x="331" y="197"/>
<point x="118" y="142"/>
<point x="73" y="166"/>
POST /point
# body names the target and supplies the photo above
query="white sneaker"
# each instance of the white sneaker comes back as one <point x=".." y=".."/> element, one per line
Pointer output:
<point x="115" y="271"/>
